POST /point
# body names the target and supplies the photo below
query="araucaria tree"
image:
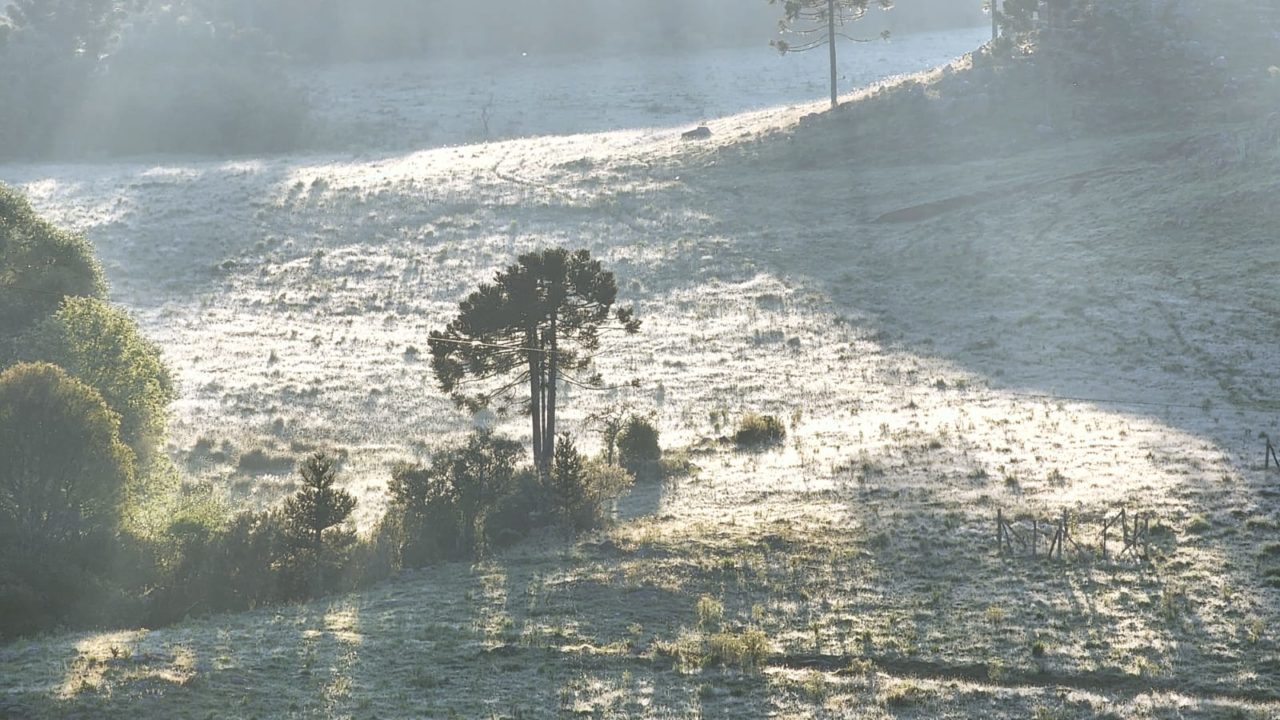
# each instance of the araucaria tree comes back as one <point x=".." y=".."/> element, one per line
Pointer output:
<point x="819" y="22"/>
<point x="534" y="326"/>
<point x="316" y="519"/>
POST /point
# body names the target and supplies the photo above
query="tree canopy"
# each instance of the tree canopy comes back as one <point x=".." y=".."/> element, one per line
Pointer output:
<point x="64" y="470"/>
<point x="101" y="345"/>
<point x="39" y="265"/>
<point x="536" y="325"/>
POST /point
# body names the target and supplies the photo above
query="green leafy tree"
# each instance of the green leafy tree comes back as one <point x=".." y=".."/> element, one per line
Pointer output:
<point x="424" y="511"/>
<point x="316" y="521"/>
<point x="64" y="470"/>
<point x="535" y="325"/>
<point x="101" y="345"/>
<point x="64" y="475"/>
<point x="40" y="265"/>
<point x="217" y="564"/>
<point x="449" y="507"/>
<point x="481" y="472"/>
<point x="815" y="23"/>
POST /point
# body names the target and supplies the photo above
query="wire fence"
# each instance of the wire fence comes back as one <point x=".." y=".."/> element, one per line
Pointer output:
<point x="1121" y="535"/>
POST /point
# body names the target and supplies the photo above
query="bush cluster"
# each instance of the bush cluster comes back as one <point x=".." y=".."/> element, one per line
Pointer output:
<point x="475" y="497"/>
<point x="755" y="431"/>
<point x="204" y="561"/>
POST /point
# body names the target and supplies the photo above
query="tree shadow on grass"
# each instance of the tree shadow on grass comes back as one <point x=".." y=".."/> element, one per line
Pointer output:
<point x="952" y="599"/>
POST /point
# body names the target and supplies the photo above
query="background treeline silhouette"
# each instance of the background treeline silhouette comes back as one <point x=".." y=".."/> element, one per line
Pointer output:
<point x="93" y="78"/>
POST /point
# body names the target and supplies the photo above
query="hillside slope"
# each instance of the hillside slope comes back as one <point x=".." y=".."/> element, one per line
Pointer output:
<point x="1072" y="324"/>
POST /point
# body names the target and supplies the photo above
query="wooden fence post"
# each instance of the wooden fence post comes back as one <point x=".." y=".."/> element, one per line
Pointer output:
<point x="1035" y="535"/>
<point x="1124" y="530"/>
<point x="1146" y="537"/>
<point x="1062" y="534"/>
<point x="1106" y="525"/>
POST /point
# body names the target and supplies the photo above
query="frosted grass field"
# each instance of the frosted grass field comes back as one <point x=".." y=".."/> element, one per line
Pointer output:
<point x="915" y="364"/>
<point x="287" y="290"/>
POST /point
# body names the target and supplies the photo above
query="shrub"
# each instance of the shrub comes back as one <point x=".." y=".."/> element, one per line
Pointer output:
<point x="450" y="507"/>
<point x="422" y="524"/>
<point x="638" y="449"/>
<point x="515" y="514"/>
<point x="210" y="563"/>
<point x="259" y="460"/>
<point x="755" y="431"/>
<point x="606" y="482"/>
<point x="377" y="556"/>
<point x="746" y="650"/>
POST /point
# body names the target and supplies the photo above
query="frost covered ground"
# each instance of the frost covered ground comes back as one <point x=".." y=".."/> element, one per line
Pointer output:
<point x="940" y="348"/>
<point x="290" y="293"/>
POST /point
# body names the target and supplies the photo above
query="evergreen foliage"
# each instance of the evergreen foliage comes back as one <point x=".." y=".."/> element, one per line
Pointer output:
<point x="315" y="523"/>
<point x="578" y="489"/>
<point x="567" y="486"/>
<point x="535" y="325"/>
<point x="811" y="21"/>
<point x="817" y="23"/>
